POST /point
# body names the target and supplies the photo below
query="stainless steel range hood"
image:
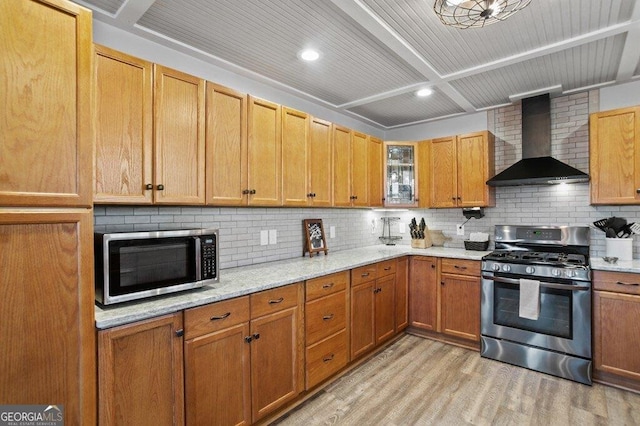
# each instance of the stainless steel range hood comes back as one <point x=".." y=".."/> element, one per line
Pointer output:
<point x="537" y="167"/>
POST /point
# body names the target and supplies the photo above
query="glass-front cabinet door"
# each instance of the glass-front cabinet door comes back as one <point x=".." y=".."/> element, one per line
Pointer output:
<point x="400" y="174"/>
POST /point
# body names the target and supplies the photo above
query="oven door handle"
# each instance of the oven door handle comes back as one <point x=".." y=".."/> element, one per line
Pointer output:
<point x="542" y="283"/>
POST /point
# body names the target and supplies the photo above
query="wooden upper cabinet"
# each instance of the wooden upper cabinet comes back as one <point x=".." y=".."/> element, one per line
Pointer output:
<point x="359" y="169"/>
<point x="341" y="166"/>
<point x="475" y="158"/>
<point x="264" y="153"/>
<point x="124" y="128"/>
<point x="444" y="178"/>
<point x="460" y="167"/>
<point x="46" y="145"/>
<point x="376" y="197"/>
<point x="423" y="174"/>
<point x="226" y="146"/>
<point x="320" y="162"/>
<point x="295" y="155"/>
<point x="614" y="155"/>
<point x="179" y="137"/>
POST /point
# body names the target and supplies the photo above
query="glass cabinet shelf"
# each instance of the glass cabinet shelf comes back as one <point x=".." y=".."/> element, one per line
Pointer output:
<point x="400" y="175"/>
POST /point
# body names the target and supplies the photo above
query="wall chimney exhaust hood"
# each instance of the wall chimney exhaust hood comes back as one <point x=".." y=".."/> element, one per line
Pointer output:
<point x="537" y="167"/>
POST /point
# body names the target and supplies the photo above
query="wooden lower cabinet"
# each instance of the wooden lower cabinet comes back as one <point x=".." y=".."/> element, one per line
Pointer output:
<point x="140" y="373"/>
<point x="445" y="298"/>
<point x="423" y="293"/>
<point x="616" y="329"/>
<point x="47" y="310"/>
<point x="217" y="364"/>
<point x="372" y="306"/>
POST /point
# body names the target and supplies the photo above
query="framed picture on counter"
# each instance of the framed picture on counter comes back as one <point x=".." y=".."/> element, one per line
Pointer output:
<point x="314" y="236"/>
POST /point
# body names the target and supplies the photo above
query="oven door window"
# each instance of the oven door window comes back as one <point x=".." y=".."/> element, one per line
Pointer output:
<point x="556" y="307"/>
<point x="137" y="265"/>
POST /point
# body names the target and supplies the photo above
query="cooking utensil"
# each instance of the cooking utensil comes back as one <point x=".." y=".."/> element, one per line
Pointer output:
<point x="610" y="233"/>
<point x="610" y="259"/>
<point x="626" y="231"/>
<point x="634" y="228"/>
<point x="616" y="223"/>
<point x="601" y="224"/>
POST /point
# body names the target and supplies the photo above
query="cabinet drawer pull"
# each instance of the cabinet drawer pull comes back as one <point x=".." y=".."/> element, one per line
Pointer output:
<point x="328" y="358"/>
<point x="628" y="284"/>
<point x="364" y="274"/>
<point x="273" y="302"/>
<point x="221" y="317"/>
<point x="460" y="267"/>
<point x="388" y="268"/>
<point x="328" y="285"/>
<point x="327" y="317"/>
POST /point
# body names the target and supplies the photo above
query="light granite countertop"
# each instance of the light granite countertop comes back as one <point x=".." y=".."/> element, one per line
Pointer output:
<point x="598" y="263"/>
<point x="250" y="279"/>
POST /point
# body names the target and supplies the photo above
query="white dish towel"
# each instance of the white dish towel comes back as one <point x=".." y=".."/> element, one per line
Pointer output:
<point x="529" y="299"/>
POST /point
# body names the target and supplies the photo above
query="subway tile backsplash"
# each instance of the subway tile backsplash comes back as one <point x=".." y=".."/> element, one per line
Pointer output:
<point x="528" y="205"/>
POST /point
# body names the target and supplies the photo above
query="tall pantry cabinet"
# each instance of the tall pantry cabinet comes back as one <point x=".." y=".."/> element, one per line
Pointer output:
<point x="46" y="221"/>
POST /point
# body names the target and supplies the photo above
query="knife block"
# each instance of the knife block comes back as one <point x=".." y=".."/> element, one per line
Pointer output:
<point x="421" y="242"/>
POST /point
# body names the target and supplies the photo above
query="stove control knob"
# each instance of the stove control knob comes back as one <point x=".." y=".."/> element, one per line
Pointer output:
<point x="496" y="267"/>
<point x="569" y="273"/>
<point x="556" y="272"/>
<point x="506" y="268"/>
<point x="530" y="269"/>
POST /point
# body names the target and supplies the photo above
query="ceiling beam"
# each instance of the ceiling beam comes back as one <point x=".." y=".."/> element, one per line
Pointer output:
<point x="132" y="10"/>
<point x="630" y="52"/>
<point x="365" y="17"/>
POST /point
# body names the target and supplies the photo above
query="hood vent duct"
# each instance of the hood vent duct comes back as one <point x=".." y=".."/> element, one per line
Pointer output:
<point x="537" y="167"/>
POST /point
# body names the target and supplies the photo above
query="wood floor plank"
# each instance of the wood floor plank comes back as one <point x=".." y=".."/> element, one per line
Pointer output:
<point x="418" y="381"/>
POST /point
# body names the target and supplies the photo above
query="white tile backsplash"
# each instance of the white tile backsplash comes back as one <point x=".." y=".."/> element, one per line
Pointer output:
<point x="529" y="205"/>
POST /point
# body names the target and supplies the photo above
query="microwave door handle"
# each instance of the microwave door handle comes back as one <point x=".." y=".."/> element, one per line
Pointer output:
<point x="198" y="258"/>
<point x="542" y="283"/>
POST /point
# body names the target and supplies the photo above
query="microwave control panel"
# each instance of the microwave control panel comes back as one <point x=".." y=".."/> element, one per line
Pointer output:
<point x="208" y="250"/>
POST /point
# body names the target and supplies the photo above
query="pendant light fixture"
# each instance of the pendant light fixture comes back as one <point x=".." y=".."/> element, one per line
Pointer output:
<point x="476" y="13"/>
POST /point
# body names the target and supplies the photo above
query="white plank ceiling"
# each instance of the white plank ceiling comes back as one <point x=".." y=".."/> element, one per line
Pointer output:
<point x="376" y="53"/>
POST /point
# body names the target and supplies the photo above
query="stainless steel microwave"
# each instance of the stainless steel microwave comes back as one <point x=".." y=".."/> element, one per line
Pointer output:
<point x="137" y="265"/>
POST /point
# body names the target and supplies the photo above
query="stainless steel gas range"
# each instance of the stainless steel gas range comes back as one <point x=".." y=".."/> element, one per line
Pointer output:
<point x="544" y="268"/>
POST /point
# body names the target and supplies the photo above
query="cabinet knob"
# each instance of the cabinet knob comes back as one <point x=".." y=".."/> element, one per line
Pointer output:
<point x="453" y="198"/>
<point x="433" y="266"/>
<point x="310" y="195"/>
<point x="253" y="191"/>
<point x="248" y="339"/>
<point x="256" y="336"/>
<point x="638" y="191"/>
<point x="180" y="332"/>
<point x="459" y="199"/>
<point x="160" y="187"/>
<point x="148" y="186"/>
<point x="441" y="282"/>
<point x="245" y="191"/>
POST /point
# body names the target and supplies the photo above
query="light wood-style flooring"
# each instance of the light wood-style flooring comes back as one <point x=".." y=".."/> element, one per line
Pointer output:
<point x="418" y="381"/>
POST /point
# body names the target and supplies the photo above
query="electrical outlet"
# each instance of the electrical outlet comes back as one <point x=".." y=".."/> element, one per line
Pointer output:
<point x="460" y="229"/>
<point x="264" y="238"/>
<point x="373" y="226"/>
<point x="332" y="232"/>
<point x="273" y="236"/>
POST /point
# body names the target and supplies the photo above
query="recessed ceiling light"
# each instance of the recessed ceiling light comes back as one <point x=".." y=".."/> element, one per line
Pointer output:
<point x="309" y="55"/>
<point x="424" y="92"/>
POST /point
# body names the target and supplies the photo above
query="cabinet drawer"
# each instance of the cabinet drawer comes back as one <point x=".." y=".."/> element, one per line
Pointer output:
<point x="325" y="316"/>
<point x="326" y="358"/>
<point x="619" y="282"/>
<point x="460" y="267"/>
<point x="277" y="299"/>
<point x="215" y="316"/>
<point x="363" y="274"/>
<point x="387" y="267"/>
<point x="329" y="284"/>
